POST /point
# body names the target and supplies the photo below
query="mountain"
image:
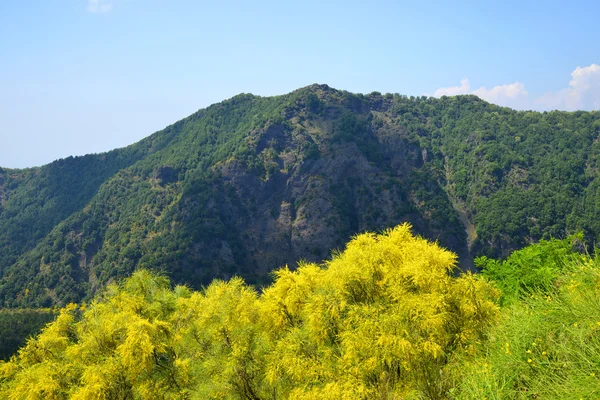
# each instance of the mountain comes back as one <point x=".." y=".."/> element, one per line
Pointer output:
<point x="253" y="183"/>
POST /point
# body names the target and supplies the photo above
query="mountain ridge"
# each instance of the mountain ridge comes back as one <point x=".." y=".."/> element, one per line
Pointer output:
<point x="252" y="183"/>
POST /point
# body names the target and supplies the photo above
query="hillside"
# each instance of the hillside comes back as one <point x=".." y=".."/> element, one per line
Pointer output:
<point x="253" y="183"/>
<point x="383" y="319"/>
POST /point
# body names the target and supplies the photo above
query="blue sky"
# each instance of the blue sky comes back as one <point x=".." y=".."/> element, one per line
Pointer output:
<point x="86" y="76"/>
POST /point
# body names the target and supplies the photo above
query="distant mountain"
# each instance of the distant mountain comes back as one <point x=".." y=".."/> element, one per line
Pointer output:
<point x="254" y="183"/>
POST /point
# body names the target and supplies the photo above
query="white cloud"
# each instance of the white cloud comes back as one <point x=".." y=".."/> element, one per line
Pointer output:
<point x="99" y="6"/>
<point x="583" y="93"/>
<point x="511" y="95"/>
<point x="464" y="88"/>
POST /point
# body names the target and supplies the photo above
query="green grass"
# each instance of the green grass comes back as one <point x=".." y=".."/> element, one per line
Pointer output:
<point x="547" y="345"/>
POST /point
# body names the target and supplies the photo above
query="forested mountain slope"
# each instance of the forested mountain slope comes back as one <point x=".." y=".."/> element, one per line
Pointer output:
<point x="252" y="183"/>
<point x="384" y="319"/>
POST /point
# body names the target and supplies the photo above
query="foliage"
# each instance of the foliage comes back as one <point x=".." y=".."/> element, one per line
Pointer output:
<point x="533" y="269"/>
<point x="382" y="319"/>
<point x="121" y="346"/>
<point x="112" y="230"/>
<point x="547" y="345"/>
<point x="16" y="325"/>
<point x="252" y="183"/>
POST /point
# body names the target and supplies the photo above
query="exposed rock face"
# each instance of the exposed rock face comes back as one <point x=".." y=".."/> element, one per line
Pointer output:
<point x="320" y="170"/>
<point x="308" y="207"/>
<point x="252" y="184"/>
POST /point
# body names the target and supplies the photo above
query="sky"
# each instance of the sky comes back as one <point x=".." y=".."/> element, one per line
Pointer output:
<point x="87" y="76"/>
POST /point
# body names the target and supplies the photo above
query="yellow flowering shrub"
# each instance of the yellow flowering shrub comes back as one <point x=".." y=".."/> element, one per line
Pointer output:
<point x="383" y="316"/>
<point x="382" y="319"/>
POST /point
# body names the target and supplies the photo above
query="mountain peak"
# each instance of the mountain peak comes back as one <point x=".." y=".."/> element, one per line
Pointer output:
<point x="254" y="183"/>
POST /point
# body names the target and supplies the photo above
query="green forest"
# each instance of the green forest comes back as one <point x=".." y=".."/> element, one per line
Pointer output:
<point x="228" y="256"/>
<point x="385" y="318"/>
<point x="253" y="183"/>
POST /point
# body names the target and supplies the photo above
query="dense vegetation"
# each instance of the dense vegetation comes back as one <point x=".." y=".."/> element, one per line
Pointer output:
<point x="16" y="325"/>
<point x="253" y="183"/>
<point x="383" y="319"/>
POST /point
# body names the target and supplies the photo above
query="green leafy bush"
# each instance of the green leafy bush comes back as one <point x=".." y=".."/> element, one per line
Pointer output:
<point x="533" y="269"/>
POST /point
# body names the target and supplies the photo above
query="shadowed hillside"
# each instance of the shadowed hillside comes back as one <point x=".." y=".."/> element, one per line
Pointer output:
<point x="251" y="184"/>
